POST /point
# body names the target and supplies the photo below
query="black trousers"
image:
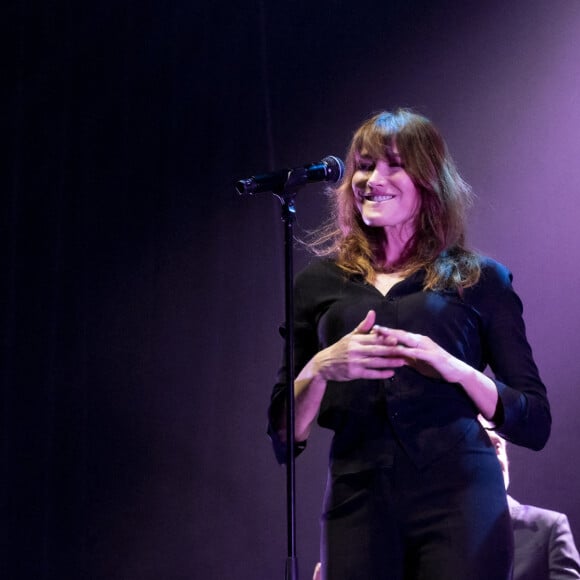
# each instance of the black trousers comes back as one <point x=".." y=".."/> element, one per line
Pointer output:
<point x="449" y="521"/>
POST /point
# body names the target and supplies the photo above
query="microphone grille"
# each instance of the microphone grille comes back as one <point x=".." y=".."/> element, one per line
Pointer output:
<point x="335" y="168"/>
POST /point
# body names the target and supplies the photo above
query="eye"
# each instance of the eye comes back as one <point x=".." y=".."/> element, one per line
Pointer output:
<point x="365" y="165"/>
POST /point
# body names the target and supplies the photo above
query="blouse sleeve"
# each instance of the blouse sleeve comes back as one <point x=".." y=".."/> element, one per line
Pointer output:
<point x="306" y="294"/>
<point x="523" y="415"/>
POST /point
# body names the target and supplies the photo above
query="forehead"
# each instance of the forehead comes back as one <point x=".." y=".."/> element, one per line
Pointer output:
<point x="386" y="152"/>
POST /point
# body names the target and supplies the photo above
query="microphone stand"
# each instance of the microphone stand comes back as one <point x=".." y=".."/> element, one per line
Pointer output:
<point x="285" y="187"/>
<point x="296" y="179"/>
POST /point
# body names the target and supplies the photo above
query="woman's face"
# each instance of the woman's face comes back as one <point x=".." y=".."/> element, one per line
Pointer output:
<point x="384" y="192"/>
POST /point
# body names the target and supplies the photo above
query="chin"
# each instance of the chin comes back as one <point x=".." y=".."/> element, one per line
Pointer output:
<point x="376" y="222"/>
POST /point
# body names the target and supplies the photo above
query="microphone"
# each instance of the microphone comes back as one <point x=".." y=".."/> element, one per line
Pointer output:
<point x="331" y="169"/>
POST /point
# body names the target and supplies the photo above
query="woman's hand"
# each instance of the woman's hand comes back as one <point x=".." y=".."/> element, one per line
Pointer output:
<point x="428" y="358"/>
<point x="361" y="354"/>
<point x="424" y="354"/>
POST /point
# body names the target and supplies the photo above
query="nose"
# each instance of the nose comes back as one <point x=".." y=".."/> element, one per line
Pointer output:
<point x="375" y="180"/>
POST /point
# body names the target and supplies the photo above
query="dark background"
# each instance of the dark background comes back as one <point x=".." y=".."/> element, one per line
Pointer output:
<point x="141" y="295"/>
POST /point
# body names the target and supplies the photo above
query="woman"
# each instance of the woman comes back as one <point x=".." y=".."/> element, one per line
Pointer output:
<point x="395" y="323"/>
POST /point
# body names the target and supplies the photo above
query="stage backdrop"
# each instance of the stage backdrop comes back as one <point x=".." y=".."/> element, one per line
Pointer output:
<point x="141" y="296"/>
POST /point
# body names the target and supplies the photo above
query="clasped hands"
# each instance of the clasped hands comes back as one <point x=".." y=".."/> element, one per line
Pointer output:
<point x="372" y="351"/>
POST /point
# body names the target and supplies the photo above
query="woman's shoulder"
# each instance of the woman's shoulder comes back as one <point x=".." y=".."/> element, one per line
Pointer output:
<point x="493" y="271"/>
<point x="319" y="267"/>
<point x="315" y="283"/>
<point x="319" y="275"/>
<point x="494" y="281"/>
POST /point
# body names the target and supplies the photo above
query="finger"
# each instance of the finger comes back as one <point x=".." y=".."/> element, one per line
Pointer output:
<point x="367" y="324"/>
<point x="378" y="374"/>
<point x="385" y="363"/>
<point x="379" y="350"/>
<point x="408" y="339"/>
<point x="385" y="330"/>
<point x="385" y="339"/>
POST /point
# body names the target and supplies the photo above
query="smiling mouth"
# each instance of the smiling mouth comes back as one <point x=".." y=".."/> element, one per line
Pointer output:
<point x="378" y="198"/>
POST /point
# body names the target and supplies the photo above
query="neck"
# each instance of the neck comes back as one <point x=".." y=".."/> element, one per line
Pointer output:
<point x="399" y="234"/>
<point x="394" y="246"/>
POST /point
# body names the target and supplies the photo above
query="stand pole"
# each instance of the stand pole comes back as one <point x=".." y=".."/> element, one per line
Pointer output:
<point x="284" y="184"/>
<point x="289" y="216"/>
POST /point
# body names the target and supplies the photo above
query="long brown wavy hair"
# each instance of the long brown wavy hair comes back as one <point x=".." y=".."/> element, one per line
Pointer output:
<point x="438" y="244"/>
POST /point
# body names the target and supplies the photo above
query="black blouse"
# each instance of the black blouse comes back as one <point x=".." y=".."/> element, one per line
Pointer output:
<point x="428" y="417"/>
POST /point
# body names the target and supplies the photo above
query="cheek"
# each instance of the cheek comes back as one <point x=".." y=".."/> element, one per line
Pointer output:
<point x="359" y="180"/>
<point x="417" y="205"/>
<point x="412" y="193"/>
<point x="355" y="185"/>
